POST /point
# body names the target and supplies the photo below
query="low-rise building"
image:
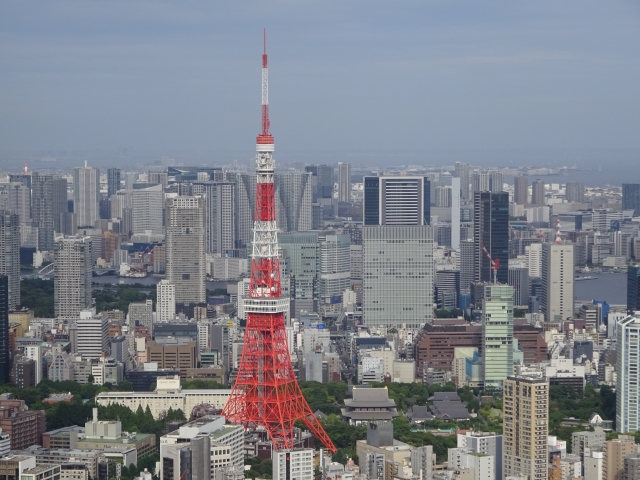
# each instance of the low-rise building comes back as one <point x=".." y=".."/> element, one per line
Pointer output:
<point x="168" y="394"/>
<point x="24" y="427"/>
<point x="89" y="458"/>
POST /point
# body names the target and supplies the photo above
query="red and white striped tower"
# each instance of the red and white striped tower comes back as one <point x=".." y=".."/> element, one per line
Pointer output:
<point x="266" y="393"/>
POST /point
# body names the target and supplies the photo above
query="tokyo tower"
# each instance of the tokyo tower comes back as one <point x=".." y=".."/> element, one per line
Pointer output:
<point x="266" y="393"/>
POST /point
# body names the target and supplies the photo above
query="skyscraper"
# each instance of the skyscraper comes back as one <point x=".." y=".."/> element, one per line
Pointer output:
<point x="165" y="301"/>
<point x="48" y="202"/>
<point x="334" y="275"/>
<point x="10" y="254"/>
<point x="397" y="275"/>
<point x="86" y="192"/>
<point x="344" y="182"/>
<point x="491" y="230"/>
<point x="466" y="265"/>
<point x="141" y="313"/>
<point x="146" y="208"/>
<point x="455" y="213"/>
<point x="185" y="249"/>
<point x="391" y="200"/>
<point x="519" y="280"/>
<point x="293" y="201"/>
<point x="497" y="334"/>
<point x="496" y="182"/>
<point x="220" y="215"/>
<point x="520" y="190"/>
<point x="322" y="178"/>
<point x="633" y="288"/>
<point x="575" y="192"/>
<point x="5" y="364"/>
<point x="481" y="181"/>
<point x="631" y="197"/>
<point x="537" y="192"/>
<point x="72" y="277"/>
<point x="113" y="181"/>
<point x="300" y="252"/>
<point x="627" y="367"/>
<point x="462" y="172"/>
<point x="526" y="417"/>
<point x="19" y="201"/>
<point x="557" y="300"/>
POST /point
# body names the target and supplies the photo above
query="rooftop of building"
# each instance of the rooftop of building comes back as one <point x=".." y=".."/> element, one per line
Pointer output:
<point x="38" y="469"/>
<point x="370" y="397"/>
<point x="73" y="428"/>
<point x="126" y="438"/>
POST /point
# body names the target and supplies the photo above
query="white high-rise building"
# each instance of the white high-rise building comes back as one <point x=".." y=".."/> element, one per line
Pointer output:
<point x="533" y="254"/>
<point x="293" y="464"/>
<point x="462" y="172"/>
<point x="497" y="334"/>
<point x="397" y="200"/>
<point x="120" y="201"/>
<point x="398" y="274"/>
<point x="34" y="352"/>
<point x="147" y="205"/>
<point x="628" y="381"/>
<point x="186" y="266"/>
<point x="557" y="302"/>
<point x="482" y="465"/>
<point x="486" y="444"/>
<point x="422" y="462"/>
<point x="72" y="276"/>
<point x="93" y="334"/>
<point x="19" y="200"/>
<point x="86" y="192"/>
<point x="334" y="263"/>
<point x="165" y="301"/>
<point x="344" y="182"/>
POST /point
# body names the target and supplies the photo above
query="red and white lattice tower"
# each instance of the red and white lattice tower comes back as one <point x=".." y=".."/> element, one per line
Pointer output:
<point x="266" y="393"/>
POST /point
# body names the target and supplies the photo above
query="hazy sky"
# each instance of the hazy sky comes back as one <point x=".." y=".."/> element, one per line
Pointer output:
<point x="345" y="75"/>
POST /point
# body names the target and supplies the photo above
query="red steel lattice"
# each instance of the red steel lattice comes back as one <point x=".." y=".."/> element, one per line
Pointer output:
<point x="266" y="392"/>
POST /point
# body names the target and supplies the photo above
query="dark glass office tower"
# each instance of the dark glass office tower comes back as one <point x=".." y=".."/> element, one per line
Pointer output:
<point x="4" y="329"/>
<point x="113" y="181"/>
<point x="633" y="288"/>
<point x="491" y="229"/>
<point x="631" y="197"/>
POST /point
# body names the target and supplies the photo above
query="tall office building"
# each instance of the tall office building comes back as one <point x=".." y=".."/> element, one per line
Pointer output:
<point x="19" y="201"/>
<point x="93" y="334"/>
<point x="300" y="252"/>
<point x="519" y="280"/>
<point x="537" y="192"/>
<point x="5" y="363"/>
<point x="533" y="254"/>
<point x="61" y="212"/>
<point x="466" y="265"/>
<point x="633" y="288"/>
<point x="631" y="197"/>
<point x="322" y="180"/>
<point x="220" y="215"/>
<point x="10" y="254"/>
<point x="113" y="181"/>
<point x="497" y="335"/>
<point x="334" y="267"/>
<point x="627" y="367"/>
<point x="557" y="300"/>
<point x="520" y="190"/>
<point x="496" y="182"/>
<point x="397" y="273"/>
<point x="48" y="202"/>
<point x="491" y="230"/>
<point x="146" y="208"/>
<point x="480" y="181"/>
<point x="165" y="301"/>
<point x="462" y="172"/>
<point x="86" y="192"/>
<point x="391" y="200"/>
<point x="575" y="192"/>
<point x="525" y="420"/>
<point x="344" y="182"/>
<point x="72" y="276"/>
<point x="293" y="201"/>
<point x="185" y="249"/>
<point x="422" y="461"/>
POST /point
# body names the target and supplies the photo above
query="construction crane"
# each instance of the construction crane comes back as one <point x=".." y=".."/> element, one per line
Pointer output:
<point x="495" y="264"/>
